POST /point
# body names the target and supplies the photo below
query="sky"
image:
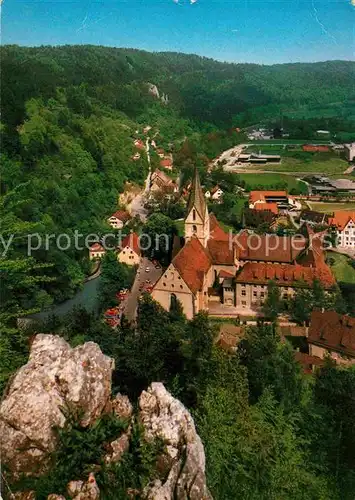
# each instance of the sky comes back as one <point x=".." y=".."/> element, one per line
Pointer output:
<point x="266" y="32"/>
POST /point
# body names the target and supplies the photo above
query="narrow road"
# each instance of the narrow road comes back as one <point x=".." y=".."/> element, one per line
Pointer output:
<point x="130" y="310"/>
<point x="136" y="207"/>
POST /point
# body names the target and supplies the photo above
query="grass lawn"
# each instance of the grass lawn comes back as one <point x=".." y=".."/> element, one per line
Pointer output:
<point x="331" y="207"/>
<point x="330" y="166"/>
<point x="289" y="141"/>
<point x="341" y="268"/>
<point x="273" y="181"/>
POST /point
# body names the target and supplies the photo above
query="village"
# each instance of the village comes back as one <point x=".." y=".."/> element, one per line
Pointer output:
<point x="230" y="275"/>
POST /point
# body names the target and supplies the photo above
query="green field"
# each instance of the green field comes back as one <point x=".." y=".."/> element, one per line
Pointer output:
<point x="330" y="166"/>
<point x="329" y="208"/>
<point x="289" y="141"/>
<point x="273" y="181"/>
<point x="341" y="267"/>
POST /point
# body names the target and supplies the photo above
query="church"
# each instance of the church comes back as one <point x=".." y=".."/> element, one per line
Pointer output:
<point x="211" y="256"/>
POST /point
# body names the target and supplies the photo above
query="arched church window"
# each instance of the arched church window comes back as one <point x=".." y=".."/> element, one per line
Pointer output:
<point x="194" y="229"/>
<point x="173" y="302"/>
<point x="194" y="214"/>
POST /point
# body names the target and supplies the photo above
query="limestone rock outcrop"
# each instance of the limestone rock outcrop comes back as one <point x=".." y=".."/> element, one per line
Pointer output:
<point x="56" y="378"/>
<point x="59" y="379"/>
<point x="166" y="418"/>
<point x="80" y="490"/>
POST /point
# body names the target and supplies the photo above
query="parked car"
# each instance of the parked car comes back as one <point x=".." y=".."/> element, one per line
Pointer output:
<point x="147" y="269"/>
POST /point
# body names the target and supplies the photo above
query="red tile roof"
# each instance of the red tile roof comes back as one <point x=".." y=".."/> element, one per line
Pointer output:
<point x="158" y="174"/>
<point x="192" y="263"/>
<point x="215" y="189"/>
<point x="341" y="218"/>
<point x="311" y="148"/>
<point x="166" y="163"/>
<point x="267" y="206"/>
<point x="131" y="241"/>
<point x="269" y="247"/>
<point x="122" y="215"/>
<point x="221" y="252"/>
<point x="333" y="331"/>
<point x="139" y="144"/>
<point x="262" y="195"/>
<point x="307" y="361"/>
<point x="284" y="274"/>
<point x="225" y="274"/>
<point x="97" y="247"/>
<point x="216" y="232"/>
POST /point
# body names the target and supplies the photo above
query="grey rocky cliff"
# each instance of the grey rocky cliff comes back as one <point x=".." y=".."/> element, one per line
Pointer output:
<point x="166" y="418"/>
<point x="57" y="377"/>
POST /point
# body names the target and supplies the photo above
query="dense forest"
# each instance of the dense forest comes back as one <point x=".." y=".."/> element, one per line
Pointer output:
<point x="269" y="430"/>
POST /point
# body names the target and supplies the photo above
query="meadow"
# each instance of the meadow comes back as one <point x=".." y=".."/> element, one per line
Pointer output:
<point x="328" y="166"/>
<point x="341" y="267"/>
<point x="329" y="208"/>
<point x="273" y="181"/>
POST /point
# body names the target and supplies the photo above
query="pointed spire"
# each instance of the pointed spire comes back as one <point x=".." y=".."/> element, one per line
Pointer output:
<point x="196" y="198"/>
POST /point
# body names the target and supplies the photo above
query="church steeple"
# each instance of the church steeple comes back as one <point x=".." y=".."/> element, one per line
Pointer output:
<point x="197" y="218"/>
<point x="196" y="198"/>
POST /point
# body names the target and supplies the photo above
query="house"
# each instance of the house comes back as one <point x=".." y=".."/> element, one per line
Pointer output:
<point x="146" y="129"/>
<point x="211" y="255"/>
<point x="215" y="194"/>
<point x="331" y="334"/>
<point x="314" y="218"/>
<point x="162" y="182"/>
<point x="96" y="251"/>
<point x="166" y="163"/>
<point x="160" y="152"/>
<point x="343" y="223"/>
<point x="119" y="219"/>
<point x="273" y="200"/>
<point x="253" y="278"/>
<point x="136" y="156"/>
<point x="129" y="252"/>
<point x="323" y="132"/>
<point x="139" y="144"/>
<point x="350" y="151"/>
<point x="308" y="362"/>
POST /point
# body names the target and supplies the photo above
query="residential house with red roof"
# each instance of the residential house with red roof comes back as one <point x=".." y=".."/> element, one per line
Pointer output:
<point x="119" y="219"/>
<point x="331" y="334"/>
<point x="160" y="152"/>
<point x="129" y="252"/>
<point x="139" y="144"/>
<point x="275" y="201"/>
<point x="166" y="163"/>
<point x="96" y="251"/>
<point x="215" y="194"/>
<point x="343" y="222"/>
<point x="160" y="181"/>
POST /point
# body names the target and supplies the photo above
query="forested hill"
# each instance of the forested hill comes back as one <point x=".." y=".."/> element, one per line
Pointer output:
<point x="206" y="90"/>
